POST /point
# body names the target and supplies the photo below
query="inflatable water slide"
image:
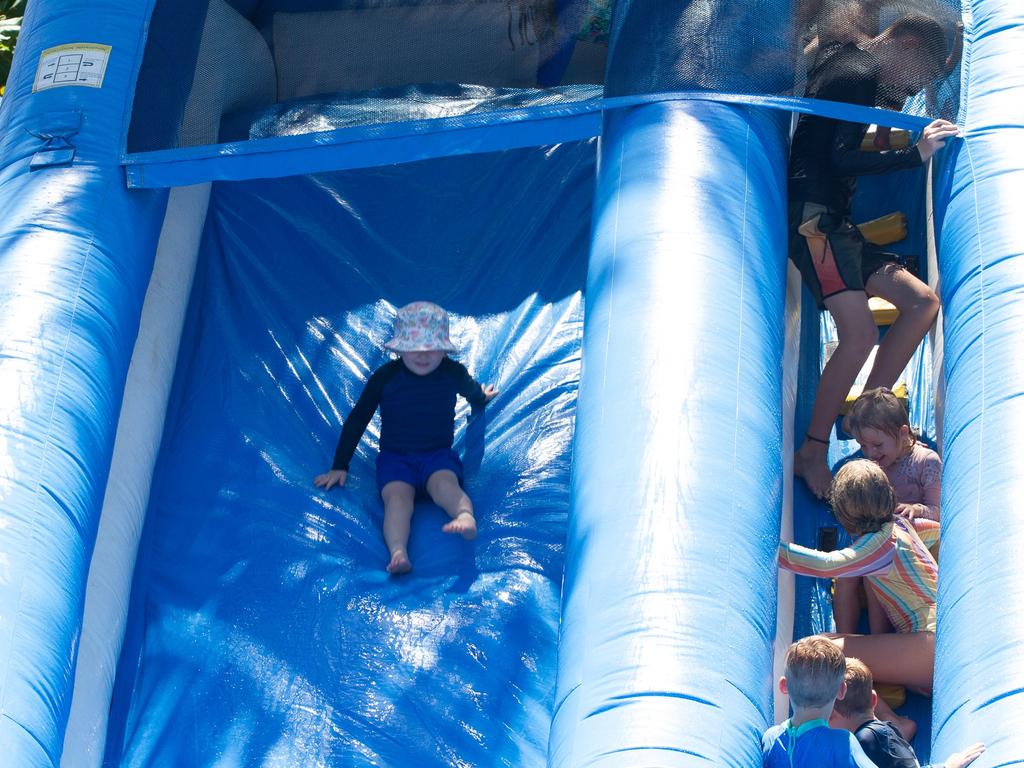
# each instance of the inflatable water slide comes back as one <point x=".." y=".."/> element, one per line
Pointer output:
<point x="209" y="211"/>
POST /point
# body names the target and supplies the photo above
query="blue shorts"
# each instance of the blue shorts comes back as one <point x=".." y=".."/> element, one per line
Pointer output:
<point x="415" y="468"/>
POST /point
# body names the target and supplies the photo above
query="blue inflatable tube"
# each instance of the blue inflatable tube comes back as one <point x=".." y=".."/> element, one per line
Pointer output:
<point x="979" y="678"/>
<point x="669" y="605"/>
<point x="75" y="252"/>
<point x="669" y="601"/>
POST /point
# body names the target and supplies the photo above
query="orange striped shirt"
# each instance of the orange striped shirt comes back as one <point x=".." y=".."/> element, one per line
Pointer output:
<point x="895" y="563"/>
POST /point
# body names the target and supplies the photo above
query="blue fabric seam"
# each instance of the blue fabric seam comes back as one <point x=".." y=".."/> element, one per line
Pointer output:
<point x="546" y="114"/>
<point x="967" y="14"/>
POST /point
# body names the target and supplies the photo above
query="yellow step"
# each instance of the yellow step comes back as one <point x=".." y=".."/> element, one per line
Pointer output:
<point x="882" y="311"/>
<point x="894" y="695"/>
<point x="884" y="230"/>
<point x="898" y="139"/>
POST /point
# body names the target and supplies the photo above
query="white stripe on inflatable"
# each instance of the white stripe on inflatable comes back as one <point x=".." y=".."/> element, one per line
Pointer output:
<point x="935" y="334"/>
<point x="139" y="432"/>
<point x="786" y="599"/>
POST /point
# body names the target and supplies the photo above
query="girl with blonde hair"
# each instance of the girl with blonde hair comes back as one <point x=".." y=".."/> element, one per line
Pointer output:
<point x="891" y="553"/>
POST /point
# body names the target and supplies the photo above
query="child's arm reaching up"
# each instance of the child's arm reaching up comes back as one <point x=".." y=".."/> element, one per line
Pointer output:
<point x="870" y="553"/>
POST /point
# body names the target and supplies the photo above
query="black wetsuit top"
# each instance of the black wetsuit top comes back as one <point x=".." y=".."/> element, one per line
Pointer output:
<point x="417" y="413"/>
<point x="825" y="157"/>
<point x="885" y="746"/>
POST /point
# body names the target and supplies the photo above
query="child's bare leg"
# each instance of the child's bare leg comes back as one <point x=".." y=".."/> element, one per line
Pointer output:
<point x="398" y="498"/>
<point x="905" y="725"/>
<point x="857" y="335"/>
<point x="918" y="306"/>
<point x="878" y="619"/>
<point x="847" y="604"/>
<point x="900" y="658"/>
<point x="443" y="487"/>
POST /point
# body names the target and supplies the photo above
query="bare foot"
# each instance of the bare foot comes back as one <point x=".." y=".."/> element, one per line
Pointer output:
<point x="399" y="563"/>
<point x="905" y="726"/>
<point x="464" y="524"/>
<point x="812" y="465"/>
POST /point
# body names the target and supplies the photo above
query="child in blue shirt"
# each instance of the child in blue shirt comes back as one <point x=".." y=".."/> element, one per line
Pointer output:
<point x="880" y="740"/>
<point x="416" y="395"/>
<point x="815" y="668"/>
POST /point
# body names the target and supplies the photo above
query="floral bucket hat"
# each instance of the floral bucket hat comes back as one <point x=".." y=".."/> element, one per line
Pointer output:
<point x="421" y="327"/>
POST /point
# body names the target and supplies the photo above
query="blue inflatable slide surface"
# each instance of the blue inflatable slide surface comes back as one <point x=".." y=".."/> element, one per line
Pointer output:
<point x="183" y="329"/>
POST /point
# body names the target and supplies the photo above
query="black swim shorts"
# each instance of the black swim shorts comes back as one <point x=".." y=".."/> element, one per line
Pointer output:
<point x="830" y="252"/>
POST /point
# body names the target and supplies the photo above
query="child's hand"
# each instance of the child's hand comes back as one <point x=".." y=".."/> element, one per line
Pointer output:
<point x="336" y="477"/>
<point x="906" y="510"/>
<point x="489" y="393"/>
<point x="934" y="136"/>
<point x="968" y="756"/>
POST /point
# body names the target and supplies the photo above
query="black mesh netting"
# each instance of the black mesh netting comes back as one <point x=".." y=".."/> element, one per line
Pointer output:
<point x="231" y="70"/>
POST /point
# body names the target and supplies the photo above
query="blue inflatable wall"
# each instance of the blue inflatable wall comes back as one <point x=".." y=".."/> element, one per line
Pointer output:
<point x="978" y="675"/>
<point x="262" y="630"/>
<point x="76" y="250"/>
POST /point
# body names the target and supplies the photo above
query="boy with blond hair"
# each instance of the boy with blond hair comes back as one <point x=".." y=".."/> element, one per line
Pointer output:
<point x="813" y="679"/>
<point x="881" y="742"/>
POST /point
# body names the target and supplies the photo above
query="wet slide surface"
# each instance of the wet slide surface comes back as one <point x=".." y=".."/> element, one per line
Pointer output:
<point x="264" y="630"/>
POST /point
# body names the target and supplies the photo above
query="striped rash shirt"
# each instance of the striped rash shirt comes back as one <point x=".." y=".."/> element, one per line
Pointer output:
<point x="895" y="562"/>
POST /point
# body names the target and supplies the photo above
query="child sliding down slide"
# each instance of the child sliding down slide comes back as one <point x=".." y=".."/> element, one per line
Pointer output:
<point x="416" y="395"/>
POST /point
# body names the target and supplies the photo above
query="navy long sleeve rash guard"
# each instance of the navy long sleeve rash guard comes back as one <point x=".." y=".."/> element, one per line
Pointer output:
<point x="417" y="413"/>
<point x="826" y="158"/>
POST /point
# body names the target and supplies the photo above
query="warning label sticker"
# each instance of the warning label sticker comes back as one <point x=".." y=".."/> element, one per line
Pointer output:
<point x="73" y="64"/>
